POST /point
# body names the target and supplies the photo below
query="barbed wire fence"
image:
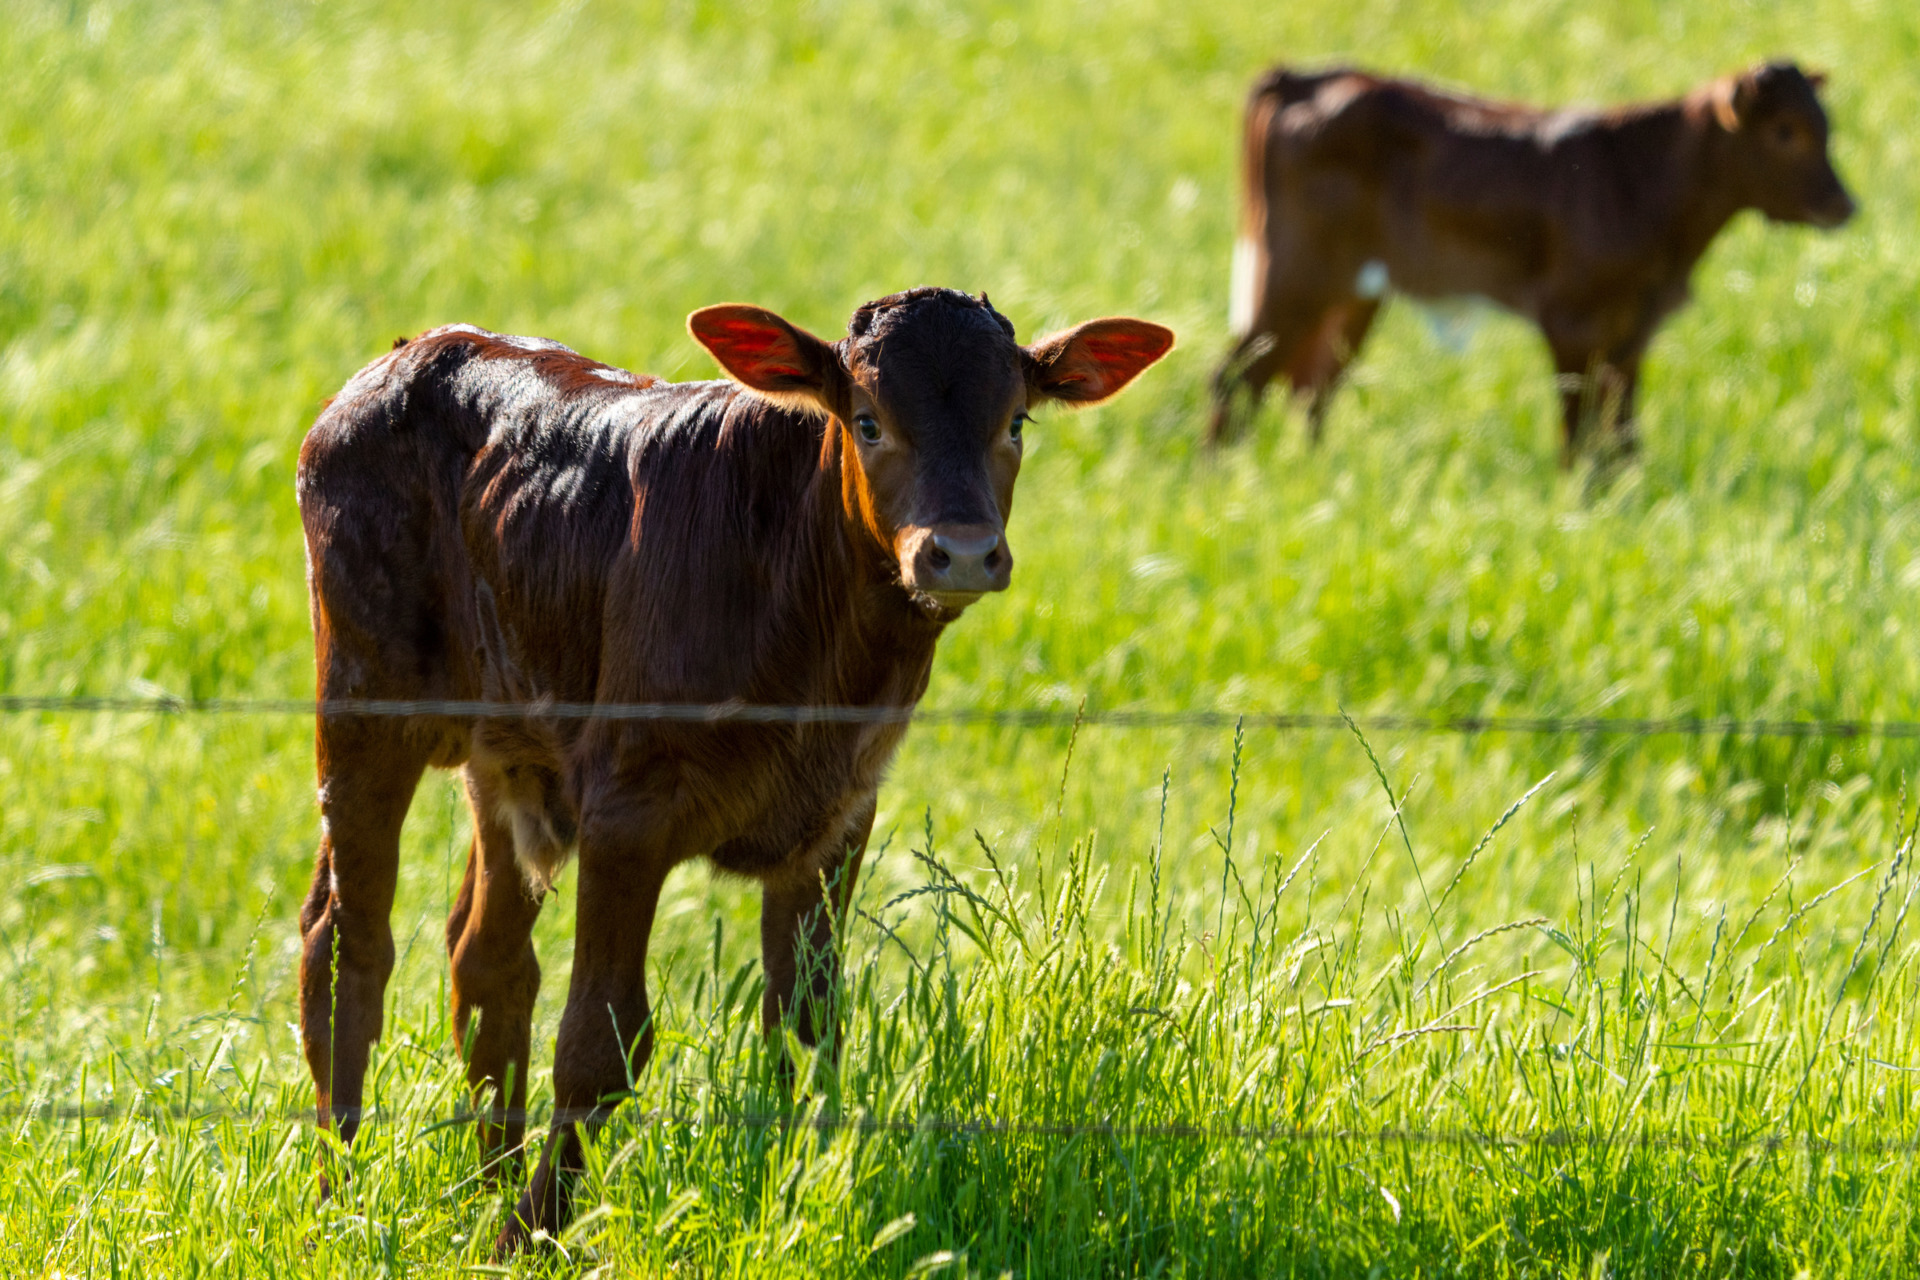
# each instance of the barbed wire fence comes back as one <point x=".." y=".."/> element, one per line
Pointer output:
<point x="746" y="713"/>
<point x="1279" y="1135"/>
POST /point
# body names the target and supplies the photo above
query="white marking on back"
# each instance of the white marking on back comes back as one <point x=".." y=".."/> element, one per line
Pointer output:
<point x="1243" y="305"/>
<point x="524" y="343"/>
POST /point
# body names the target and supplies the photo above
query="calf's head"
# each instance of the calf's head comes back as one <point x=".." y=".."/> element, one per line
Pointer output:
<point x="928" y="394"/>
<point x="1780" y="144"/>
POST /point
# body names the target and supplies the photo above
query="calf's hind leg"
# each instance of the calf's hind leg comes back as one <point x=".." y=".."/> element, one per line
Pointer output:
<point x="1281" y="341"/>
<point x="368" y="772"/>
<point x="495" y="976"/>
<point x="1238" y="386"/>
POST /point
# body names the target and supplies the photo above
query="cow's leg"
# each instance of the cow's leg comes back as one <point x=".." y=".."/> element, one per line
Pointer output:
<point x="1597" y="357"/>
<point x="368" y="771"/>
<point x="1618" y="383"/>
<point x="1318" y="370"/>
<point x="801" y="919"/>
<point x="606" y="1033"/>
<point x="1238" y="385"/>
<point x="1571" y="378"/>
<point x="1595" y="391"/>
<point x="495" y="975"/>
<point x="1575" y="340"/>
<point x="1273" y="345"/>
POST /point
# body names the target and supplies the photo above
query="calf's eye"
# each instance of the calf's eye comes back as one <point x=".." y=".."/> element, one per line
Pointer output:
<point x="1013" y="431"/>
<point x="868" y="427"/>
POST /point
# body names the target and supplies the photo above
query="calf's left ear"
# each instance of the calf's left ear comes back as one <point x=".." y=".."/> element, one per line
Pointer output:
<point x="1733" y="98"/>
<point x="767" y="354"/>
<point x="1093" y="361"/>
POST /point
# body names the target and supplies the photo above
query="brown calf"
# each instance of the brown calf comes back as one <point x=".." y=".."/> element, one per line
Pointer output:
<point x="498" y="518"/>
<point x="1587" y="223"/>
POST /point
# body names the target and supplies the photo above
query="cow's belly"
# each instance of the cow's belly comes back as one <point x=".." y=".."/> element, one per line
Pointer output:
<point x="1446" y="267"/>
<point x="807" y="834"/>
<point x="754" y="800"/>
<point x="1442" y="252"/>
<point x="803" y="800"/>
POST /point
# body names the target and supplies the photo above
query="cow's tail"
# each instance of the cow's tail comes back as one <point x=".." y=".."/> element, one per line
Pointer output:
<point x="1249" y="247"/>
<point x="1272" y="93"/>
<point x="1232" y="381"/>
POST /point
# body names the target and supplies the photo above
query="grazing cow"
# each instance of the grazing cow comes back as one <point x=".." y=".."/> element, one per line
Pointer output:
<point x="499" y="519"/>
<point x="1587" y="223"/>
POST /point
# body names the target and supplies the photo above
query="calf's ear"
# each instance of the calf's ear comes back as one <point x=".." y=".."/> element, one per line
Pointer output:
<point x="1093" y="361"/>
<point x="1733" y="98"/>
<point x="767" y="354"/>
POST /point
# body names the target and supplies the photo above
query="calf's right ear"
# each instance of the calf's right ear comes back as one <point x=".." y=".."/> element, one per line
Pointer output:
<point x="771" y="356"/>
<point x="1093" y="361"/>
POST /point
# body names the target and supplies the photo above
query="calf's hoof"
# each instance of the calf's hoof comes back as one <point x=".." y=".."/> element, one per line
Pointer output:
<point x="513" y="1238"/>
<point x="535" y="1220"/>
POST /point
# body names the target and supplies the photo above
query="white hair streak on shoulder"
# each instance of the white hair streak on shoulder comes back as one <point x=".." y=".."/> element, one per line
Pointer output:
<point x="800" y="402"/>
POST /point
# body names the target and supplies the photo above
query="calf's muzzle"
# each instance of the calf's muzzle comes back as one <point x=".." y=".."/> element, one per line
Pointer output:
<point x="956" y="563"/>
<point x="1834" y="208"/>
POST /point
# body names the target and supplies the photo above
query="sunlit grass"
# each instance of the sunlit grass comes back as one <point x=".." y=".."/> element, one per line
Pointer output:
<point x="214" y="214"/>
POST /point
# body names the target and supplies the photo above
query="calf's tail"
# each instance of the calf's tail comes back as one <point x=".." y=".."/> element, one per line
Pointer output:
<point x="1249" y="245"/>
<point x="1246" y="297"/>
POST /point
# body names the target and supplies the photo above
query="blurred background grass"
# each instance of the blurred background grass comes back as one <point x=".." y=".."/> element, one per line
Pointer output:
<point x="215" y="213"/>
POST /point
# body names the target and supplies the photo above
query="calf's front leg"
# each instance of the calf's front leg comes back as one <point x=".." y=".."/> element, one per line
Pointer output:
<point x="802" y="915"/>
<point x="606" y="1033"/>
<point x="1598" y="363"/>
<point x="1598" y="402"/>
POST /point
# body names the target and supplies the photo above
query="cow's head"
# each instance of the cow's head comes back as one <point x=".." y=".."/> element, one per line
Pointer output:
<point x="1780" y="133"/>
<point x="928" y="394"/>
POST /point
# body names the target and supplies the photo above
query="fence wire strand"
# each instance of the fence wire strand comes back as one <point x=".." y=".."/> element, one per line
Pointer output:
<point x="736" y="712"/>
<point x="431" y="1120"/>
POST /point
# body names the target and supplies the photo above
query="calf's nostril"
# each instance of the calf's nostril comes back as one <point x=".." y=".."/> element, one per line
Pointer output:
<point x="938" y="559"/>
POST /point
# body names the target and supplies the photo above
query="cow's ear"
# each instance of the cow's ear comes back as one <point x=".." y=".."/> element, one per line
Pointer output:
<point x="1733" y="98"/>
<point x="767" y="354"/>
<point x="1818" y="79"/>
<point x="1093" y="361"/>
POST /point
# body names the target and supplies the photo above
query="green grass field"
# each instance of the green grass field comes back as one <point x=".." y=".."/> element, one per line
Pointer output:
<point x="1660" y="1024"/>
